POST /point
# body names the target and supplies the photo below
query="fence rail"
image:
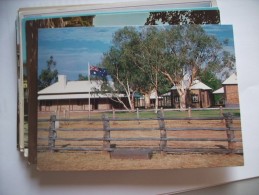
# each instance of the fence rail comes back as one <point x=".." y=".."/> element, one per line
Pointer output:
<point x="152" y="110"/>
<point x="109" y="143"/>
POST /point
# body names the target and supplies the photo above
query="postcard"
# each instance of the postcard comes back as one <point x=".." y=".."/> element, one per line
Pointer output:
<point x="28" y="112"/>
<point x="137" y="97"/>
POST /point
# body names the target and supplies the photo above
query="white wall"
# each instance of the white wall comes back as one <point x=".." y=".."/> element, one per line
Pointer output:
<point x="16" y="177"/>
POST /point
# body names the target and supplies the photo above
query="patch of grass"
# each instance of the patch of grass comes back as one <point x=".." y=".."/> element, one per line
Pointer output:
<point x="174" y="113"/>
<point x="148" y="114"/>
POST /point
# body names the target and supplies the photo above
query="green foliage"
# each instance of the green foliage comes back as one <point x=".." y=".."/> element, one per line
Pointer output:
<point x="191" y="50"/>
<point x="134" y="59"/>
<point x="82" y="77"/>
<point x="48" y="75"/>
<point x="164" y="85"/>
<point x="210" y="79"/>
<point x="184" y="17"/>
<point x="119" y="65"/>
<point x="149" y="58"/>
<point x="143" y="59"/>
<point x="119" y="59"/>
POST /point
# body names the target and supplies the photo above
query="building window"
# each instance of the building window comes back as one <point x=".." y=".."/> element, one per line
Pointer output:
<point x="195" y="98"/>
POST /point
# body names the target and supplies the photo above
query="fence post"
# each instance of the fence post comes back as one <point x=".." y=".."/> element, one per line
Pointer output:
<point x="189" y="113"/>
<point x="52" y="133"/>
<point x="57" y="113"/>
<point x="221" y="113"/>
<point x="66" y="116"/>
<point x="106" y="134"/>
<point x="230" y="133"/>
<point x="113" y="113"/>
<point x="161" y="122"/>
<point x="138" y="115"/>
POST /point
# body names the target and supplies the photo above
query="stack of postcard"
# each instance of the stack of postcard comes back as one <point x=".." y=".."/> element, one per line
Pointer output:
<point x="127" y="87"/>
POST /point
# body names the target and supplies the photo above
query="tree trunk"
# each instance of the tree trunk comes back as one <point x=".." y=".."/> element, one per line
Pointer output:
<point x="132" y="105"/>
<point x="182" y="96"/>
<point x="156" y="103"/>
<point x="183" y="100"/>
<point x="182" y="90"/>
<point x="147" y="100"/>
<point x="195" y="71"/>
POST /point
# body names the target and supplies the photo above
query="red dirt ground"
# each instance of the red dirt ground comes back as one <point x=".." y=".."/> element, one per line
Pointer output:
<point x="100" y="161"/>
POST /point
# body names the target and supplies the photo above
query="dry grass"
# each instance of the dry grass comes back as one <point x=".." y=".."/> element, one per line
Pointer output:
<point x="99" y="161"/>
<point x="96" y="161"/>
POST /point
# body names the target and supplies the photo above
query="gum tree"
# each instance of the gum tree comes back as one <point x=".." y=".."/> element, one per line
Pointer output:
<point x="49" y="75"/>
<point x="189" y="50"/>
<point x="134" y="60"/>
<point x="119" y="65"/>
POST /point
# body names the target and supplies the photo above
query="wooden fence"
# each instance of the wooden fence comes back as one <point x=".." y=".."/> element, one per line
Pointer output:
<point x="108" y="143"/>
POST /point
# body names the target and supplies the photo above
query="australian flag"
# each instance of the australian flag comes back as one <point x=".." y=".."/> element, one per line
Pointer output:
<point x="96" y="71"/>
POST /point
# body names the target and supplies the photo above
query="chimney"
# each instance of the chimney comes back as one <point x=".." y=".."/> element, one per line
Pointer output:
<point x="62" y="80"/>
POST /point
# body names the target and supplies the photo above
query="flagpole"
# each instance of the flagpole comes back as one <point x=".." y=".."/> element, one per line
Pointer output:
<point x="89" y="99"/>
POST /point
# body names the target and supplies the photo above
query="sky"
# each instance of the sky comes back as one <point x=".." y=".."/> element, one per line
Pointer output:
<point x="100" y="19"/>
<point x="73" y="48"/>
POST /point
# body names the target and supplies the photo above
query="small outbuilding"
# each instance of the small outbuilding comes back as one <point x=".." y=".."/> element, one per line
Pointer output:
<point x="229" y="91"/>
<point x="230" y="86"/>
<point x="199" y="95"/>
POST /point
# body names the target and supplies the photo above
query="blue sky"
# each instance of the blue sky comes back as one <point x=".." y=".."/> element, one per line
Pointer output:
<point x="100" y="19"/>
<point x="73" y="48"/>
